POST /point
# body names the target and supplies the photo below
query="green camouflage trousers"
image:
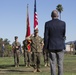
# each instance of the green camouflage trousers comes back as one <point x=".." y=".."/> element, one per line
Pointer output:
<point x="16" y="57"/>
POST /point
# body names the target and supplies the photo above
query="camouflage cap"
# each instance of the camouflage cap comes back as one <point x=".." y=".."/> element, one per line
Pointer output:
<point x="16" y="37"/>
<point x="36" y="31"/>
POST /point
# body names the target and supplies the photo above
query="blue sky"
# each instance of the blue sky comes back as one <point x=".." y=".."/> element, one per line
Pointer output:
<point x="13" y="17"/>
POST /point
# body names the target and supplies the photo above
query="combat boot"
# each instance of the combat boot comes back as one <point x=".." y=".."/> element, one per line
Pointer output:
<point x="38" y="70"/>
<point x="45" y="64"/>
<point x="35" y="70"/>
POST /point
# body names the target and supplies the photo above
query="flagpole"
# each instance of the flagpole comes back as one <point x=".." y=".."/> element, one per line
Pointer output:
<point x="26" y="20"/>
<point x="35" y="17"/>
<point x="27" y="24"/>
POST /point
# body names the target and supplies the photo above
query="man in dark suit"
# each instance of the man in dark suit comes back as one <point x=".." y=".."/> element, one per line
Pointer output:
<point x="54" y="42"/>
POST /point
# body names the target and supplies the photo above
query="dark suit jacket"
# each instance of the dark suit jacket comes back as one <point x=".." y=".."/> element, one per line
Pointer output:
<point x="54" y="35"/>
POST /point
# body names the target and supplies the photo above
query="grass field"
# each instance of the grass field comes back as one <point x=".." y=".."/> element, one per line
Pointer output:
<point x="7" y="67"/>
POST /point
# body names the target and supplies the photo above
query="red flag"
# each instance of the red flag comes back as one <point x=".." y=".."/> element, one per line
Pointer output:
<point x="35" y="17"/>
<point x="28" y="24"/>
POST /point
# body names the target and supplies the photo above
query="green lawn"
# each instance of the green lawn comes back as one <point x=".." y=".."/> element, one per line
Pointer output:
<point x="7" y="67"/>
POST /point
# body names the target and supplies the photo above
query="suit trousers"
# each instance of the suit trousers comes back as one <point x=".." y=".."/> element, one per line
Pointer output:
<point x="56" y="57"/>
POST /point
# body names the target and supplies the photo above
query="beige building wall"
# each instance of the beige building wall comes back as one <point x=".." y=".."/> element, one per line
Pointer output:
<point x="68" y="48"/>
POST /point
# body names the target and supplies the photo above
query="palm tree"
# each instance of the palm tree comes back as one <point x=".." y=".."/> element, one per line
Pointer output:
<point x="1" y="41"/>
<point x="60" y="9"/>
<point x="6" y="41"/>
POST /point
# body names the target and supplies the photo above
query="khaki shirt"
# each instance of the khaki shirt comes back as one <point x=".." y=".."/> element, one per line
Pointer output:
<point x="14" y="44"/>
<point x="36" y="44"/>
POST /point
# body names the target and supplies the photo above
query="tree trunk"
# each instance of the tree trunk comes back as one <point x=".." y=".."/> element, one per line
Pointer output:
<point x="60" y="16"/>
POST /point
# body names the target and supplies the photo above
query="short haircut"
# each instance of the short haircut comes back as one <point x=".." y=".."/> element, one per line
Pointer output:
<point x="16" y="37"/>
<point x="54" y="13"/>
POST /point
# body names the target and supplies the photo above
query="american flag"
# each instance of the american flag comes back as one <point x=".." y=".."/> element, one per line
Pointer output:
<point x="28" y="24"/>
<point x="35" y="17"/>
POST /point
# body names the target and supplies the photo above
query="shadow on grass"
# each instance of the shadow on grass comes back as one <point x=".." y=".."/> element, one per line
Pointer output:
<point x="5" y="66"/>
<point x="9" y="66"/>
<point x="21" y="71"/>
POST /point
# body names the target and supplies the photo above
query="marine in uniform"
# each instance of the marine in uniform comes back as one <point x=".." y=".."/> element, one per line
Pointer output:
<point x="27" y="52"/>
<point x="16" y="46"/>
<point x="36" y="48"/>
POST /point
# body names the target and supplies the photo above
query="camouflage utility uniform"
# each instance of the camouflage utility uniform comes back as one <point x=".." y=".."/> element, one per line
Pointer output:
<point x="36" y="48"/>
<point x="46" y="58"/>
<point x="27" y="54"/>
<point x="16" y="52"/>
